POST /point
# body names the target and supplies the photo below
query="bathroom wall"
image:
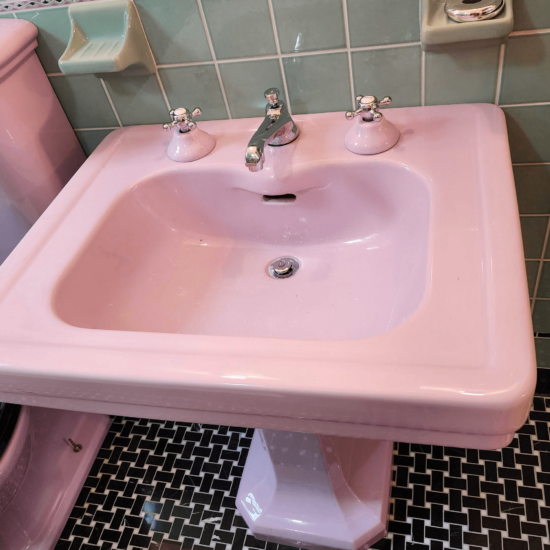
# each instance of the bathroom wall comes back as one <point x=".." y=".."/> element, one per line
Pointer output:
<point x="222" y="54"/>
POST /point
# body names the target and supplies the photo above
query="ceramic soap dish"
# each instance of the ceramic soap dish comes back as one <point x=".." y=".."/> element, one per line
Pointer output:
<point x="438" y="31"/>
<point x="106" y="37"/>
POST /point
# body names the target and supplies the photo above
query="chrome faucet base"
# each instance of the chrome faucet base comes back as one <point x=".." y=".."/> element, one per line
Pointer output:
<point x="287" y="134"/>
<point x="277" y="129"/>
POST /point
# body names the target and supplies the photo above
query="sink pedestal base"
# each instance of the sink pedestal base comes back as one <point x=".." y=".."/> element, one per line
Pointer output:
<point x="315" y="491"/>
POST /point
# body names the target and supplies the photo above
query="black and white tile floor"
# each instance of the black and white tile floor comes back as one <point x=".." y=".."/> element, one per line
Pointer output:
<point x="171" y="486"/>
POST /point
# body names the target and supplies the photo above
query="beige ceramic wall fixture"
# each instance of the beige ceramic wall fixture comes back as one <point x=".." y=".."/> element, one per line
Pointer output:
<point x="438" y="32"/>
<point x="106" y="37"/>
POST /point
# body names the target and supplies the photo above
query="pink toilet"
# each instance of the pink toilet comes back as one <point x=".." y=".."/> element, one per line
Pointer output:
<point x="40" y="473"/>
<point x="39" y="151"/>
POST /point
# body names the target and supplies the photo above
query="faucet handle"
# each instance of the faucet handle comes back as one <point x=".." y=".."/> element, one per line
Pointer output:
<point x="367" y="107"/>
<point x="183" y="119"/>
<point x="272" y="96"/>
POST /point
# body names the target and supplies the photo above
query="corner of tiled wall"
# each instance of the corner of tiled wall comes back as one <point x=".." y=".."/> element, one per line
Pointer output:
<point x="221" y="55"/>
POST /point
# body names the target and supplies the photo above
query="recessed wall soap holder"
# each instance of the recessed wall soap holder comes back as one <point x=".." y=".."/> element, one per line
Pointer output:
<point x="439" y="32"/>
<point x="106" y="37"/>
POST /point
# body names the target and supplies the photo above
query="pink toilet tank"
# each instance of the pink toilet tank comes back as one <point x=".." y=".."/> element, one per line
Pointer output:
<point x="39" y="151"/>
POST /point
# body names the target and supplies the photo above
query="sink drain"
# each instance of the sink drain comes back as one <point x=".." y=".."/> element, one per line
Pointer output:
<point x="284" y="267"/>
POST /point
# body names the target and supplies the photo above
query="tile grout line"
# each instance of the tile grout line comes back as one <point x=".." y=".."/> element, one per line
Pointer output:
<point x="110" y="101"/>
<point x="378" y="47"/>
<point x="162" y="90"/>
<point x="422" y="78"/>
<point x="422" y="61"/>
<point x="348" y="46"/>
<point x="159" y="81"/>
<point x="279" y="55"/>
<point x="294" y="54"/>
<point x="534" y="104"/>
<point x="530" y="32"/>
<point x="500" y="72"/>
<point x="214" y="58"/>
<point x="530" y="164"/>
<point x="541" y="264"/>
<point x="189" y="64"/>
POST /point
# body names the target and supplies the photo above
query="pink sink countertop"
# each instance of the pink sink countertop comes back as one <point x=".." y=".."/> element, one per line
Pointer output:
<point x="143" y="289"/>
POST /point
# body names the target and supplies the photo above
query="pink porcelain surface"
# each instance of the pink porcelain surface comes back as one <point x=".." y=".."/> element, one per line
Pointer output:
<point x="144" y="290"/>
<point x="197" y="257"/>
<point x="39" y="151"/>
<point x="15" y="460"/>
<point x="371" y="138"/>
<point x="54" y="475"/>
<point x="190" y="146"/>
<point x="312" y="491"/>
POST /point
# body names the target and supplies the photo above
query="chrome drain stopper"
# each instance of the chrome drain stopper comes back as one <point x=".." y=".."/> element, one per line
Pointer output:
<point x="284" y="267"/>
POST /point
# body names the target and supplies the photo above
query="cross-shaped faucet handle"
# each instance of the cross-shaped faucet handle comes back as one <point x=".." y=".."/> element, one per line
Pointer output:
<point x="367" y="107"/>
<point x="183" y="119"/>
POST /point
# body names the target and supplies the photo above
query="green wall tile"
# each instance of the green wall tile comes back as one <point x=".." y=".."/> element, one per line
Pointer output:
<point x="533" y="188"/>
<point x="531" y="14"/>
<point x="544" y="283"/>
<point x="532" y="268"/>
<point x="542" y="347"/>
<point x="137" y="99"/>
<point x="54" y="31"/>
<point x="90" y="139"/>
<point x="389" y="71"/>
<point x="374" y="22"/>
<point x="302" y="26"/>
<point x="461" y="76"/>
<point x="529" y="133"/>
<point x="239" y="28"/>
<point x="533" y="229"/>
<point x="175" y="30"/>
<point x="195" y="86"/>
<point x="541" y="316"/>
<point x="526" y="74"/>
<point x="318" y="84"/>
<point x="84" y="101"/>
<point x="246" y="82"/>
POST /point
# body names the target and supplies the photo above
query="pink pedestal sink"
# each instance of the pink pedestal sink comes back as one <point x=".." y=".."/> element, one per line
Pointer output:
<point x="144" y="290"/>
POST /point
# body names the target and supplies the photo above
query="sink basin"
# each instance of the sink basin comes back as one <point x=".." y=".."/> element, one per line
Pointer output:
<point x="144" y="289"/>
<point x="177" y="254"/>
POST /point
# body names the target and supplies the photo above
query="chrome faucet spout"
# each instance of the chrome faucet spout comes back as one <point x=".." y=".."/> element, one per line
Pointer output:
<point x="277" y="129"/>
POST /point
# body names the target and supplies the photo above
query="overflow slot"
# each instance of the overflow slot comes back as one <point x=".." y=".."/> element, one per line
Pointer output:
<point x="279" y="199"/>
